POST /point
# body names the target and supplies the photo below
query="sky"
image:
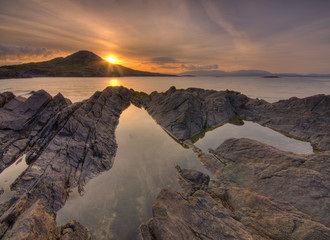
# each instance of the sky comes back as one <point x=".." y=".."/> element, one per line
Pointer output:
<point x="172" y="36"/>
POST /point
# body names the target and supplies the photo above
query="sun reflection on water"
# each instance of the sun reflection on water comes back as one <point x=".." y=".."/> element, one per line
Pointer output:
<point x="114" y="83"/>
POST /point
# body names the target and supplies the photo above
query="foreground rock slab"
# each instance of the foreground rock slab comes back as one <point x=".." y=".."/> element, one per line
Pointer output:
<point x="300" y="180"/>
<point x="259" y="193"/>
<point x="68" y="146"/>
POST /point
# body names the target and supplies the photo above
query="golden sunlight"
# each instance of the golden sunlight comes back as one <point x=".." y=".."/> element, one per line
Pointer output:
<point x="114" y="83"/>
<point x="110" y="59"/>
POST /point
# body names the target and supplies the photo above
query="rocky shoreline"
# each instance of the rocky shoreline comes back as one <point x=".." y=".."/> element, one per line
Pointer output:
<point x="259" y="192"/>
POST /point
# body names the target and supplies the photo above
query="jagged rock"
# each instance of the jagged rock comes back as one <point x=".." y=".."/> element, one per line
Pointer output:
<point x="297" y="179"/>
<point x="186" y="113"/>
<point x="200" y="217"/>
<point x="272" y="219"/>
<point x="6" y="97"/>
<point x="66" y="147"/>
<point x="306" y="118"/>
<point x="35" y="223"/>
<point x="191" y="180"/>
<point x="23" y="120"/>
<point x="260" y="192"/>
<point x="82" y="147"/>
<point x="230" y="213"/>
<point x="16" y="115"/>
<point x="72" y="230"/>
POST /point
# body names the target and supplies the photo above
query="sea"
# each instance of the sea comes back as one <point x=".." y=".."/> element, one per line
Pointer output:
<point x="117" y="201"/>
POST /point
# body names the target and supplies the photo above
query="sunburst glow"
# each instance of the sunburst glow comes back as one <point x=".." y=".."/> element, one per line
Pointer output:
<point x="111" y="59"/>
<point x="114" y="83"/>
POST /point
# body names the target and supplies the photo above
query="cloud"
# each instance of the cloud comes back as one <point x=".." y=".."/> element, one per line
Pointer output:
<point x="170" y="67"/>
<point x="163" y="60"/>
<point x="7" y="52"/>
<point x="279" y="36"/>
<point x="193" y="67"/>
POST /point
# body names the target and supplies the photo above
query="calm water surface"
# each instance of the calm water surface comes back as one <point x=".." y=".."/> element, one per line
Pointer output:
<point x="77" y="89"/>
<point x="117" y="201"/>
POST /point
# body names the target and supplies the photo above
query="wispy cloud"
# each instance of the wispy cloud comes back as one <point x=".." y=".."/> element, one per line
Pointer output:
<point x="163" y="60"/>
<point x="280" y="36"/>
<point x="199" y="67"/>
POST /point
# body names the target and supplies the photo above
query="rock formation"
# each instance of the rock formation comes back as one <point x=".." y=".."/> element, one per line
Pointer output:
<point x="186" y="113"/>
<point x="260" y="193"/>
<point x="65" y="145"/>
<point x="306" y="118"/>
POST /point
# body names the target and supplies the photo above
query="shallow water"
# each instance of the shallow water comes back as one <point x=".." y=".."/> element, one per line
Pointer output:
<point x="116" y="202"/>
<point x="8" y="176"/>
<point x="254" y="131"/>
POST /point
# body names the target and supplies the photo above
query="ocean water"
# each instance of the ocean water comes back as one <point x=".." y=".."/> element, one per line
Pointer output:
<point x="77" y="89"/>
<point x="117" y="201"/>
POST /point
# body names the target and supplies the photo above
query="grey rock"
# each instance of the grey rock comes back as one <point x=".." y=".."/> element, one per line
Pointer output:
<point x="301" y="180"/>
<point x="191" y="180"/>
<point x="16" y="116"/>
<point x="82" y="147"/>
<point x="186" y="113"/>
<point x="72" y="230"/>
<point x="6" y="97"/>
<point x="37" y="223"/>
<point x="200" y="217"/>
<point x="227" y="213"/>
<point x="31" y="115"/>
<point x="306" y="118"/>
<point x="65" y="145"/>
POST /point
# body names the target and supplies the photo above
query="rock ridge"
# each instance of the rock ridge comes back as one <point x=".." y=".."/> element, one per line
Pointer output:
<point x="259" y="193"/>
<point x="256" y="186"/>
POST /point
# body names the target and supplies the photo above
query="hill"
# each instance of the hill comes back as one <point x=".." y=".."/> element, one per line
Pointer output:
<point x="219" y="73"/>
<point x="248" y="73"/>
<point x="79" y="64"/>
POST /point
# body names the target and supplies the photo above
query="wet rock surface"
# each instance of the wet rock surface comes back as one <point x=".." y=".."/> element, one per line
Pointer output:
<point x="259" y="193"/>
<point x="23" y="121"/>
<point x="65" y="146"/>
<point x="302" y="181"/>
<point x="186" y="113"/>
<point x="306" y="118"/>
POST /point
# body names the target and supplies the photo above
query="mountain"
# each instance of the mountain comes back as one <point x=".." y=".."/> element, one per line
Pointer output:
<point x="79" y="64"/>
<point x="218" y="73"/>
<point x="246" y="73"/>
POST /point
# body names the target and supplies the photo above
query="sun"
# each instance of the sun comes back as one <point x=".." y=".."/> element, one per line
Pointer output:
<point x="111" y="59"/>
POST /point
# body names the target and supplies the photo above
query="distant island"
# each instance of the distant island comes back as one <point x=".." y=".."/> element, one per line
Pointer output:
<point x="79" y="64"/>
<point x="247" y="73"/>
